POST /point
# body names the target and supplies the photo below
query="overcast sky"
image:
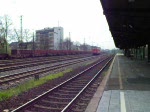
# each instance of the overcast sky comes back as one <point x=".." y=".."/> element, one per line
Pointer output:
<point x="82" y="18"/>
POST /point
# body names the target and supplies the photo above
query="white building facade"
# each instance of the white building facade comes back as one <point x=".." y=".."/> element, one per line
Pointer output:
<point x="50" y="38"/>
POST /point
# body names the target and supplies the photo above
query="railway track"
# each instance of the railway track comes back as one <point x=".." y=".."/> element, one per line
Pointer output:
<point x="20" y="61"/>
<point x="62" y="97"/>
<point x="39" y="71"/>
<point x="13" y="66"/>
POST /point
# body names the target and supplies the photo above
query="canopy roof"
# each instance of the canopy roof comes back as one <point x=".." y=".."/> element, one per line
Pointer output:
<point x="129" y="22"/>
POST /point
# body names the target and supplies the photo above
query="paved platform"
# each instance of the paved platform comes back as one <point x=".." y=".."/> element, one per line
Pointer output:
<point x="126" y="88"/>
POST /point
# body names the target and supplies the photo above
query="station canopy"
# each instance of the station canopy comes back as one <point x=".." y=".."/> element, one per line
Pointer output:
<point x="129" y="22"/>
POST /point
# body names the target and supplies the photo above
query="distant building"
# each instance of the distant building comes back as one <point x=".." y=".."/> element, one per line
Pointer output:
<point x="85" y="47"/>
<point x="24" y="45"/>
<point x="49" y="38"/>
<point x="14" y="45"/>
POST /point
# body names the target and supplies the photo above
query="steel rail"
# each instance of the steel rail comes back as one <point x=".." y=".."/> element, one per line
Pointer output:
<point x="30" y="64"/>
<point x="56" y="87"/>
<point x="75" y="98"/>
<point x="22" y="75"/>
<point x="22" y="61"/>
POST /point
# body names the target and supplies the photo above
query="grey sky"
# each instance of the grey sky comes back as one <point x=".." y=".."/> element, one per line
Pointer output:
<point x="82" y="18"/>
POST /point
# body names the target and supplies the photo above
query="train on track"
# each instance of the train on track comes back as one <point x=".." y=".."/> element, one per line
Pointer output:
<point x="38" y="53"/>
<point x="42" y="53"/>
<point x="7" y="53"/>
<point x="96" y="51"/>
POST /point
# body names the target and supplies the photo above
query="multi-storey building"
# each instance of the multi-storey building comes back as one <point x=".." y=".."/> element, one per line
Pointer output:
<point x="49" y="38"/>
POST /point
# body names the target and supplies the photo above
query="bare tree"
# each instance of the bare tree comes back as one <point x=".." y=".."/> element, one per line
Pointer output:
<point x="26" y="36"/>
<point x="17" y="36"/>
<point x="2" y="31"/>
<point x="6" y="22"/>
<point x="67" y="44"/>
<point x="77" y="44"/>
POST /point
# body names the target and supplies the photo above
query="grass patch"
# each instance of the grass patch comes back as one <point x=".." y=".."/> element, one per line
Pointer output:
<point x="6" y="94"/>
<point x="88" y="63"/>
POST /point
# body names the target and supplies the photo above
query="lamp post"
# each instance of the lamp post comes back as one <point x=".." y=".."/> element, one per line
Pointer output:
<point x="33" y="44"/>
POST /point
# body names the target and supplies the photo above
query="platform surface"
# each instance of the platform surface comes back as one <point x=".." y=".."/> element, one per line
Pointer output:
<point x="127" y="88"/>
<point x="133" y="101"/>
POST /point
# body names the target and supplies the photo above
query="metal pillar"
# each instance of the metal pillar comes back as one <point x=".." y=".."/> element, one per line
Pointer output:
<point x="149" y="52"/>
<point x="126" y="52"/>
<point x="132" y="53"/>
<point x="33" y="46"/>
<point x="136" y="53"/>
<point x="143" y="52"/>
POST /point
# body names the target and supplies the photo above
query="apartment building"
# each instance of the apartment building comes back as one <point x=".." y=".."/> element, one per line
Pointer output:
<point x="49" y="38"/>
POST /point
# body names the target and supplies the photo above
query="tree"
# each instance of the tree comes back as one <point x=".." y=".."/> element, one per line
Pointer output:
<point x="6" y="22"/>
<point x="77" y="44"/>
<point x="26" y="36"/>
<point x="67" y="44"/>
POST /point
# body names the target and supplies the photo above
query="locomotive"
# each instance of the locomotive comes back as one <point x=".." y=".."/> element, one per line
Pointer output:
<point x="96" y="51"/>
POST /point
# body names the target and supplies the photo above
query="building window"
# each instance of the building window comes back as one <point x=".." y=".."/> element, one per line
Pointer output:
<point x="51" y="34"/>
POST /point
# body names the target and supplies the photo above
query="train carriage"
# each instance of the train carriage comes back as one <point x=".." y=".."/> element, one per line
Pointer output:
<point x="6" y="52"/>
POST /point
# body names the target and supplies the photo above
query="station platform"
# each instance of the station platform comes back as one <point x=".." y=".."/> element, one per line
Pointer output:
<point x="125" y="88"/>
